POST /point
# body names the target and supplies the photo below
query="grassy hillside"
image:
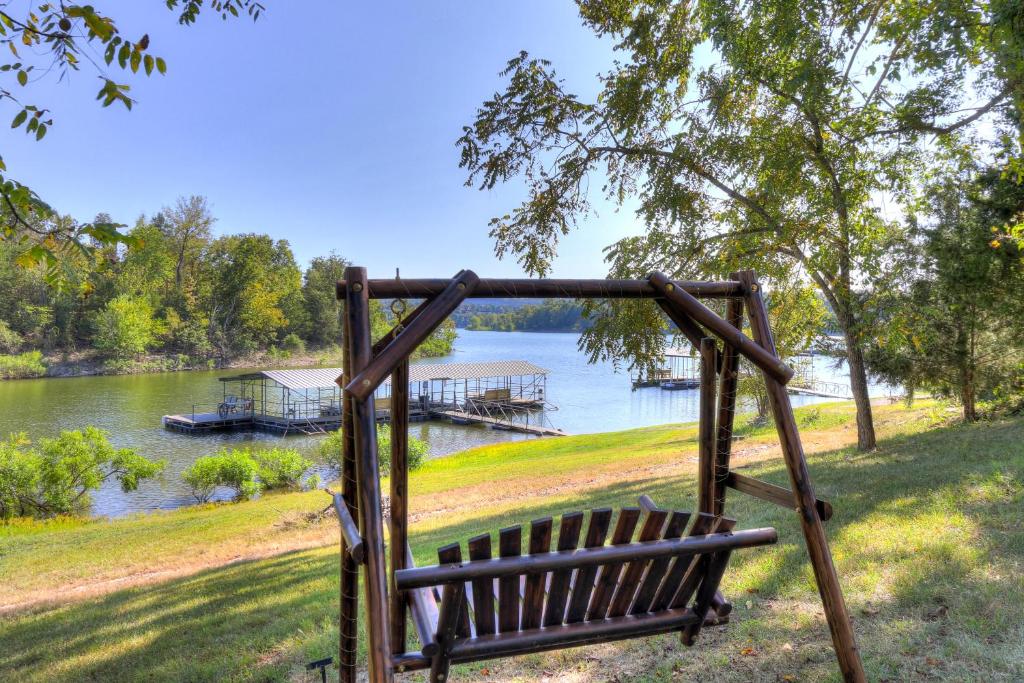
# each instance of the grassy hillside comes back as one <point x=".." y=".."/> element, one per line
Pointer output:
<point x="927" y="539"/>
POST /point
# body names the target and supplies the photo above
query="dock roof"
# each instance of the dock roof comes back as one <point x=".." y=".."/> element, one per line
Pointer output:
<point x="319" y="378"/>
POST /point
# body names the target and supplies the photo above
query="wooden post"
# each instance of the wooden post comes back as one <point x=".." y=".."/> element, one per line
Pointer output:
<point x="357" y="312"/>
<point x="706" y="427"/>
<point x="399" y="498"/>
<point x="726" y="407"/>
<point x="349" y="593"/>
<point x="843" y="638"/>
<point x="367" y="378"/>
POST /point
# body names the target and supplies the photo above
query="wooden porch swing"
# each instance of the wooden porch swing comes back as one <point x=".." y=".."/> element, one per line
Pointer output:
<point x="661" y="579"/>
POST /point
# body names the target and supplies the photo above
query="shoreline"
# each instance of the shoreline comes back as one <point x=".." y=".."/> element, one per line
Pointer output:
<point x="91" y="364"/>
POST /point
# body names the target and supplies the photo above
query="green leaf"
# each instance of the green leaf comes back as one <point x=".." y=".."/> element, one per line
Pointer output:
<point x="22" y="77"/>
<point x="148" y="61"/>
<point x="41" y="131"/>
<point x="161" y="65"/>
<point x="136" y="60"/>
<point x="19" y="118"/>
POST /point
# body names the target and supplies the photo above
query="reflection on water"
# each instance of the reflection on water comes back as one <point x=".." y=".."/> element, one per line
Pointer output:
<point x="590" y="398"/>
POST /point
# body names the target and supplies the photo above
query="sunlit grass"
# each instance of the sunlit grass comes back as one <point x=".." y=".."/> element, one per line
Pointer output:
<point x="926" y="536"/>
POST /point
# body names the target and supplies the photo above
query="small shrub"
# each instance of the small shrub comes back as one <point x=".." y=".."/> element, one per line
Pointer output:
<point x="330" y="449"/>
<point x="281" y="467"/>
<point x="331" y="446"/>
<point x="22" y="365"/>
<point x="293" y="344"/>
<point x="57" y="476"/>
<point x="10" y="341"/>
<point x="274" y="353"/>
<point x="125" y="327"/>
<point x="202" y="476"/>
<point x="234" y="469"/>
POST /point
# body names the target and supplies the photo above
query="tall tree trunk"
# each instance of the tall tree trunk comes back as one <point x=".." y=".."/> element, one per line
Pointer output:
<point x="859" y="387"/>
<point x="967" y="394"/>
<point x="964" y="350"/>
<point x="843" y="304"/>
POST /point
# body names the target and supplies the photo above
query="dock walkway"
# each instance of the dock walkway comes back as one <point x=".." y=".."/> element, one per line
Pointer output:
<point x="537" y="430"/>
<point x="820" y="388"/>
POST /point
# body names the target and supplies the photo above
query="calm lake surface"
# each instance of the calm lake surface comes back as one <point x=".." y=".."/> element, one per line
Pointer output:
<point x="590" y="398"/>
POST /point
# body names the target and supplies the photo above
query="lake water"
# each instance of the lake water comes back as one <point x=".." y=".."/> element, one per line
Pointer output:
<point x="590" y="398"/>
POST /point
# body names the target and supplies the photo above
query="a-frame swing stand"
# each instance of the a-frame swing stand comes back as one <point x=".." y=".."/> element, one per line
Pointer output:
<point x="667" y="580"/>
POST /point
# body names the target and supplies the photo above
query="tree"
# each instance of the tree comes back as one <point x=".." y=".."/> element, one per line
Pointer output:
<point x="323" y="310"/>
<point x="773" y="153"/>
<point x="230" y="468"/>
<point x="125" y="327"/>
<point x="148" y="265"/>
<point x="440" y="341"/>
<point x="187" y="226"/>
<point x="57" y="476"/>
<point x="955" y="326"/>
<point x="252" y="276"/>
<point x="52" y="38"/>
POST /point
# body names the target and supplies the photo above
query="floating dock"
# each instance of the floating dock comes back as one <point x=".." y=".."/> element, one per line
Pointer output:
<point x="679" y="369"/>
<point x="497" y="393"/>
<point x="804" y="383"/>
<point x="822" y="389"/>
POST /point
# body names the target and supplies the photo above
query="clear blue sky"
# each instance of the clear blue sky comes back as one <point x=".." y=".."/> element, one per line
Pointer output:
<point x="327" y="123"/>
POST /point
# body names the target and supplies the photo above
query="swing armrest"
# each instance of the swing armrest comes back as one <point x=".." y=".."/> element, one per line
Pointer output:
<point x="459" y="572"/>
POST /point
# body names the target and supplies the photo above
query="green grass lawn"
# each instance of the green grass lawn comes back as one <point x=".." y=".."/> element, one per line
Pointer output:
<point x="927" y="537"/>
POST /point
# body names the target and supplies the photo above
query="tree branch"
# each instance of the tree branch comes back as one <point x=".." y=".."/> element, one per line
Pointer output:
<point x="885" y="72"/>
<point x="701" y="172"/>
<point x="853" y="55"/>
<point x="31" y="29"/>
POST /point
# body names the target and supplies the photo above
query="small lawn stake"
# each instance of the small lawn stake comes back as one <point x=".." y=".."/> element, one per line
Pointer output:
<point x="321" y="664"/>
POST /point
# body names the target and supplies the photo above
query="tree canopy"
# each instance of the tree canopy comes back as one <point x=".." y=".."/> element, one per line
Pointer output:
<point x="49" y="39"/>
<point x="180" y="291"/>
<point x="955" y="323"/>
<point x="768" y="135"/>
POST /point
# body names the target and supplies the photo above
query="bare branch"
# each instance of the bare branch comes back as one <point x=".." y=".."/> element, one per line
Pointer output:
<point x="856" y="50"/>
<point x="885" y="71"/>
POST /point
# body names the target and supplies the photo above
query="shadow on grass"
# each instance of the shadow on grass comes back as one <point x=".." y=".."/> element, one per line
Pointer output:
<point x="223" y="624"/>
<point x="925" y="535"/>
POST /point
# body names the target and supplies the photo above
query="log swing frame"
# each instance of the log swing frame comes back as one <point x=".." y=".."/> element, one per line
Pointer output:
<point x="392" y="597"/>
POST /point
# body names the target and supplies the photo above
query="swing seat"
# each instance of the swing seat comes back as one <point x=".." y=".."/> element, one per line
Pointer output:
<point x="665" y="579"/>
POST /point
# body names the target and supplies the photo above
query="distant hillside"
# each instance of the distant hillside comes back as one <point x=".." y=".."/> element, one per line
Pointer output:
<point x="527" y="315"/>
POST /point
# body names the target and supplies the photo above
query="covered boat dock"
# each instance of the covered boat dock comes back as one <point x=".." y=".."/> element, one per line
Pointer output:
<point x="679" y="369"/>
<point x="309" y="400"/>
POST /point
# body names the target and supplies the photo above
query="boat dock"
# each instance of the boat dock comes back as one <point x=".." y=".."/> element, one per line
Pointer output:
<point x="195" y="423"/>
<point x="500" y="394"/>
<point x="677" y="370"/>
<point x="819" y="388"/>
<point x="804" y="382"/>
